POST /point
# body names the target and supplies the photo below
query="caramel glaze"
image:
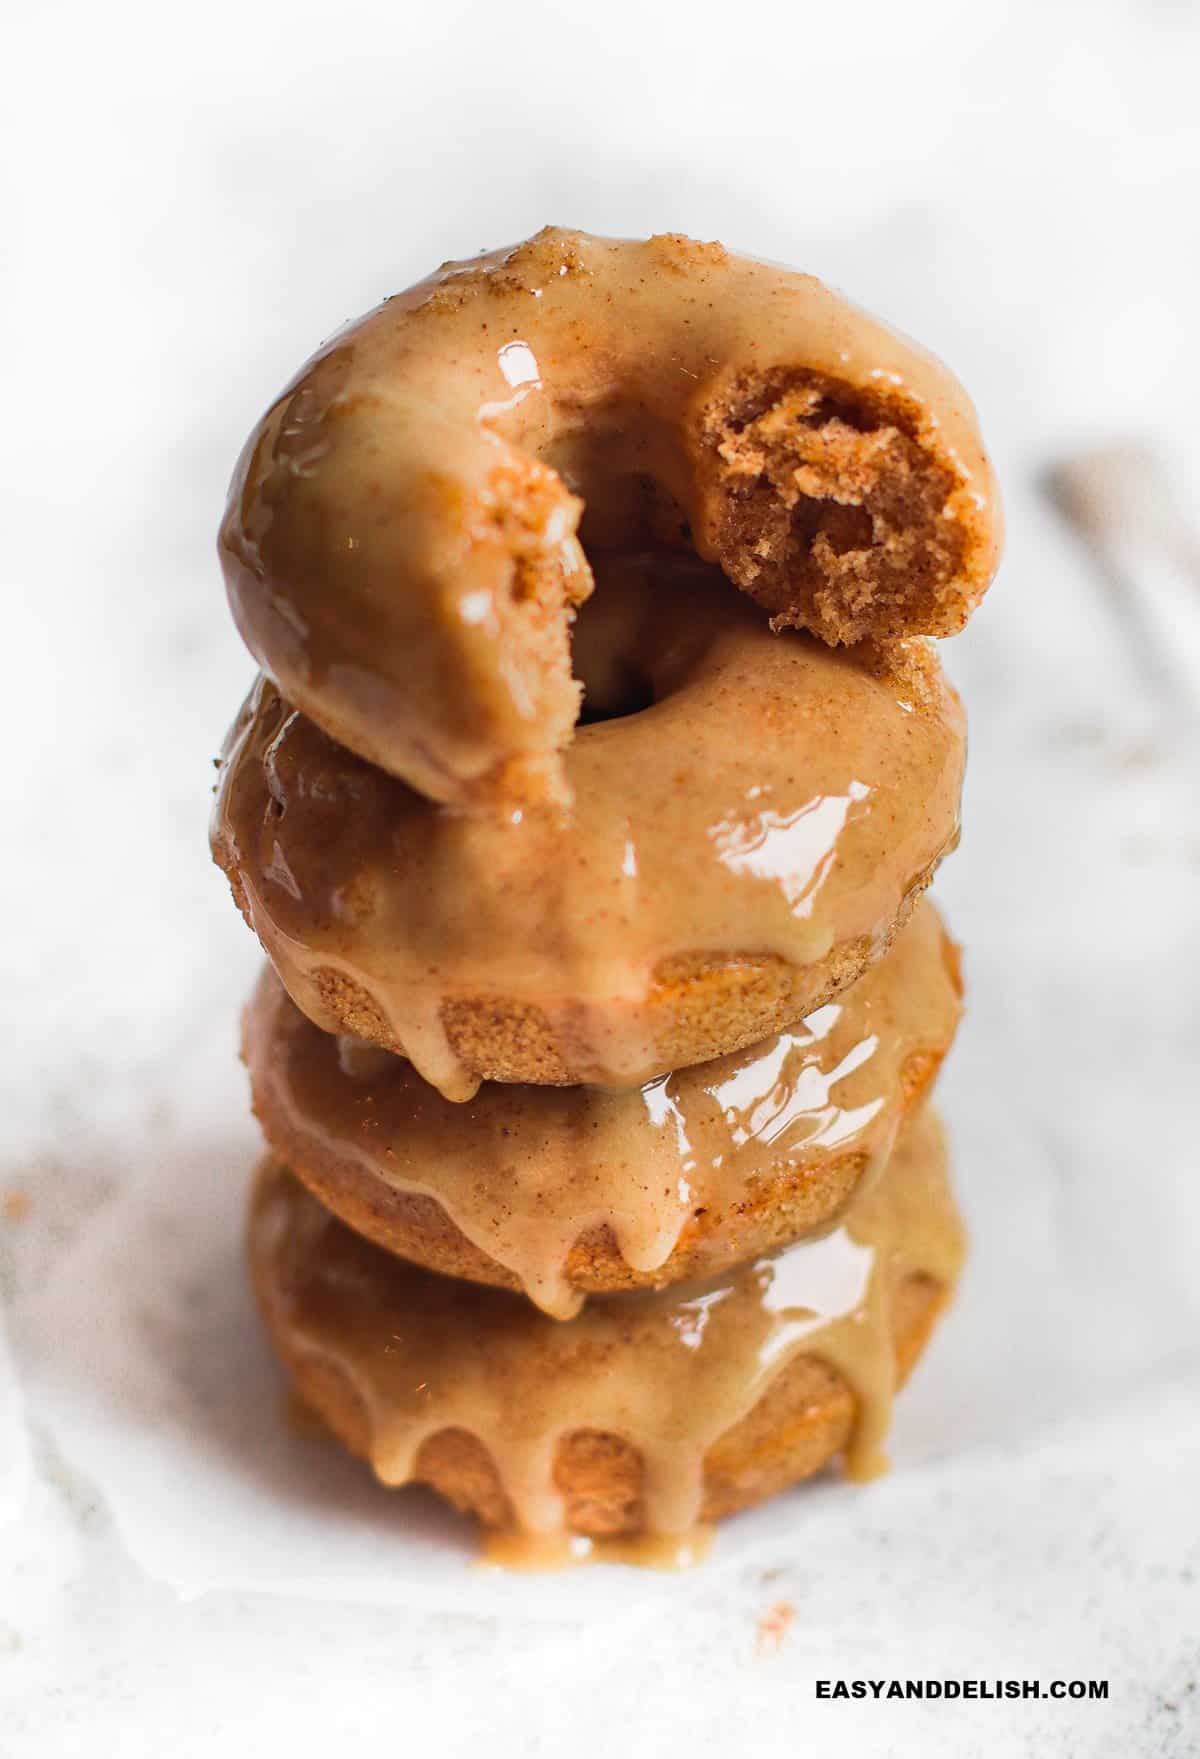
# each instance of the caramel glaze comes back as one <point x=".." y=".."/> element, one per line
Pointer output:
<point x="402" y="544"/>
<point x="778" y="799"/>
<point x="562" y="1190"/>
<point x="397" y="1360"/>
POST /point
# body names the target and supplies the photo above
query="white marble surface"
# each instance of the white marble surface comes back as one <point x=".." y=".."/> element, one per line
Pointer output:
<point x="190" y="200"/>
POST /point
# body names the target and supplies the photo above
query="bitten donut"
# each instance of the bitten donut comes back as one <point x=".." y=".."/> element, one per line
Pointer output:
<point x="649" y="1413"/>
<point x="564" y="1191"/>
<point x="738" y="850"/>
<point x="405" y="536"/>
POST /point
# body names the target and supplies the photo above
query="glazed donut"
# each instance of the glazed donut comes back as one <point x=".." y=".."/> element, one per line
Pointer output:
<point x="647" y="1414"/>
<point x="403" y="546"/>
<point x="564" y="1191"/>
<point x="738" y="851"/>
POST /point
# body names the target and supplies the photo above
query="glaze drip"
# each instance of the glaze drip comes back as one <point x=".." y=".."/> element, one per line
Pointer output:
<point x="670" y="1373"/>
<point x="778" y="801"/>
<point x="523" y="1172"/>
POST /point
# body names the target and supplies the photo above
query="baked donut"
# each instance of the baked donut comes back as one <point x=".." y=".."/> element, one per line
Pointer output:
<point x="404" y="539"/>
<point x="647" y="1414"/>
<point x="565" y="1191"/>
<point x="739" y="849"/>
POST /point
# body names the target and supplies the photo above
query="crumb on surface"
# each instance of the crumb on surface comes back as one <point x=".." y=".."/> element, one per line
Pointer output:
<point x="773" y="1626"/>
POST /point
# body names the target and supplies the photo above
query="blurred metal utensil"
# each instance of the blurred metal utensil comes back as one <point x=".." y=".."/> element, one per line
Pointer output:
<point x="1120" y="502"/>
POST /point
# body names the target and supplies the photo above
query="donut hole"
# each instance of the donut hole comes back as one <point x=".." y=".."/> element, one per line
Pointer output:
<point x="821" y="501"/>
<point x="827" y="504"/>
<point x="620" y="690"/>
<point x="652" y="615"/>
<point x="632" y="511"/>
<point x="628" y="470"/>
<point x="614" y="680"/>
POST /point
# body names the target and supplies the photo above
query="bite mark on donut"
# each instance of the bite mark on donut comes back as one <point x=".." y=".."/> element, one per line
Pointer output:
<point x="532" y="520"/>
<point x="534" y="517"/>
<point x="835" y="511"/>
<point x="911" y="668"/>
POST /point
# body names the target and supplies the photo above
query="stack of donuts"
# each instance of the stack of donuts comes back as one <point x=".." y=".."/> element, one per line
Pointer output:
<point x="584" y="808"/>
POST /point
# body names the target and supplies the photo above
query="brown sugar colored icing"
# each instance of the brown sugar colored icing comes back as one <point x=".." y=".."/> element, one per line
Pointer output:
<point x="736" y="852"/>
<point x="402" y="544"/>
<point x="561" y="1191"/>
<point x="649" y="1413"/>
